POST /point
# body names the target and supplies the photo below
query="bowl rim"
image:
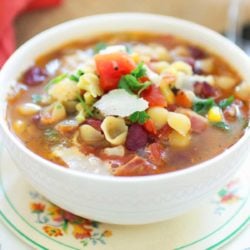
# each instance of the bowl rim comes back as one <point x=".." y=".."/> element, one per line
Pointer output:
<point x="121" y="179"/>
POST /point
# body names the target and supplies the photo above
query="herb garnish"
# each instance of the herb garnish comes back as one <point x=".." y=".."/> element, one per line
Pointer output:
<point x="226" y="102"/>
<point x="202" y="106"/>
<point x="85" y="106"/>
<point x="139" y="71"/>
<point x="76" y="77"/>
<point x="99" y="46"/>
<point x="222" y="125"/>
<point x="139" y="117"/>
<point x="130" y="81"/>
<point x="55" y="80"/>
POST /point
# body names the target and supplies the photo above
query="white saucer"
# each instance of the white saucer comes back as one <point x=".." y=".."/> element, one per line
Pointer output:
<point x="44" y="226"/>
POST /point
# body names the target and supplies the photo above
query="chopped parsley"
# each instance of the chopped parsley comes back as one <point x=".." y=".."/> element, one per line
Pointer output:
<point x="139" y="117"/>
<point x="202" y="106"/>
<point x="130" y="81"/>
<point x="86" y="108"/>
<point x="226" y="102"/>
<point x="76" y="77"/>
<point x="55" y="80"/>
<point x="139" y="71"/>
<point x="99" y="46"/>
<point x="222" y="125"/>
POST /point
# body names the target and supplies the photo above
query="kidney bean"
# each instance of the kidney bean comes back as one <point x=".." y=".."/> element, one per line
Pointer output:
<point x="190" y="61"/>
<point x="94" y="123"/>
<point x="36" y="119"/>
<point x="34" y="76"/>
<point x="196" y="52"/>
<point x="137" y="137"/>
<point x="203" y="89"/>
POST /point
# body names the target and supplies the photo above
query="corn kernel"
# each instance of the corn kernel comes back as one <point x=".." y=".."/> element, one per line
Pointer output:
<point x="215" y="115"/>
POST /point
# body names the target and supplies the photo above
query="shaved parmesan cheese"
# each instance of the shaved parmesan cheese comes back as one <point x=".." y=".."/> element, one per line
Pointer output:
<point x="78" y="161"/>
<point x="152" y="76"/>
<point x="113" y="49"/>
<point x="120" y="103"/>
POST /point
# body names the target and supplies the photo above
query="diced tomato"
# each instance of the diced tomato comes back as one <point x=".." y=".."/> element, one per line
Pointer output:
<point x="182" y="99"/>
<point x="111" y="67"/>
<point x="143" y="79"/>
<point x="154" y="96"/>
<point x="150" y="127"/>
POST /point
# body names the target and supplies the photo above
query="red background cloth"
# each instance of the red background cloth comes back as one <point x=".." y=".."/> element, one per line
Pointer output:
<point x="9" y="9"/>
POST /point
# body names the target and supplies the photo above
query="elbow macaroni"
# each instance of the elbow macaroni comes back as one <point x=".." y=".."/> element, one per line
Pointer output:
<point x="89" y="99"/>
<point x="90" y="83"/>
<point x="159" y="116"/>
<point x="179" y="122"/>
<point x="160" y="67"/>
<point x="64" y="91"/>
<point x="152" y="51"/>
<point x="115" y="151"/>
<point x="183" y="67"/>
<point x="225" y="82"/>
<point x="115" y="130"/>
<point x="90" y="135"/>
<point x="53" y="113"/>
<point x="178" y="140"/>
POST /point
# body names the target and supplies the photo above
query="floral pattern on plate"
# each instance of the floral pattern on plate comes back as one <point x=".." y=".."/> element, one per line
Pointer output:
<point x="229" y="195"/>
<point x="56" y="222"/>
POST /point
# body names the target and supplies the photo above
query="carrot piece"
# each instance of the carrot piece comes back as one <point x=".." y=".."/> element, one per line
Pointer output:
<point x="150" y="127"/>
<point x="182" y="99"/>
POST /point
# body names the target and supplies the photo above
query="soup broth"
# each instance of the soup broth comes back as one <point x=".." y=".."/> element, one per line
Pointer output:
<point x="129" y="104"/>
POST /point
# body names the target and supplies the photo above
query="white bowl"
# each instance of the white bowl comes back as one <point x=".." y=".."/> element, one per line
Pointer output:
<point x="122" y="200"/>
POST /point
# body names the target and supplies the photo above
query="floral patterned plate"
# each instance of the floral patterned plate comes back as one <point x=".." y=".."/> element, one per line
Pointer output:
<point x="46" y="226"/>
